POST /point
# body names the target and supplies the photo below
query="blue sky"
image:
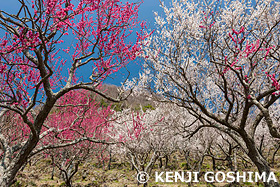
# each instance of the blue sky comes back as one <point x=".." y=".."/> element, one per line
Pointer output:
<point x="146" y="13"/>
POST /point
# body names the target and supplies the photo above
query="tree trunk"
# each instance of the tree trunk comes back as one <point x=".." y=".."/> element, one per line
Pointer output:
<point x="131" y="166"/>
<point x="166" y="162"/>
<point x="229" y="163"/>
<point x="263" y="167"/>
<point x="7" y="177"/>
<point x="160" y="163"/>
<point x="256" y="157"/>
<point x="68" y="183"/>
<point x="274" y="154"/>
<point x="66" y="178"/>
<point x="214" y="163"/>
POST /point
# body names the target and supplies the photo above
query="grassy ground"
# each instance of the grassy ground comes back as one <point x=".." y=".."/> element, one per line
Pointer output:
<point x="90" y="175"/>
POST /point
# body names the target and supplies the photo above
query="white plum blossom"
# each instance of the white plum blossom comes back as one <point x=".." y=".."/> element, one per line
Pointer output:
<point x="220" y="61"/>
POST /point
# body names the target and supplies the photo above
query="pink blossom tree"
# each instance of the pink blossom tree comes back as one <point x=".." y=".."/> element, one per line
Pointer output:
<point x="220" y="61"/>
<point x="33" y="60"/>
<point x="73" y="131"/>
<point x="74" y="128"/>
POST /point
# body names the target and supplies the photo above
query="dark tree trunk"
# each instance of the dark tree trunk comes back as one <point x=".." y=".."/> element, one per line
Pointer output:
<point x="160" y="163"/>
<point x="7" y="178"/>
<point x="68" y="183"/>
<point x="274" y="154"/>
<point x="131" y="167"/>
<point x="166" y="162"/>
<point x="230" y="164"/>
<point x="214" y="163"/>
<point x="256" y="157"/>
<point x="263" y="167"/>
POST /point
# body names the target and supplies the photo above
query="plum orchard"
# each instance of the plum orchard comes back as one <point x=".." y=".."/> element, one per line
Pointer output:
<point x="31" y="61"/>
<point x="146" y="137"/>
<point x="72" y="132"/>
<point x="220" y="61"/>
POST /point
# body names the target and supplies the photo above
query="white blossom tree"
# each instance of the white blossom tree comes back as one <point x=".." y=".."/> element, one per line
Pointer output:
<point x="146" y="136"/>
<point x="220" y="61"/>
